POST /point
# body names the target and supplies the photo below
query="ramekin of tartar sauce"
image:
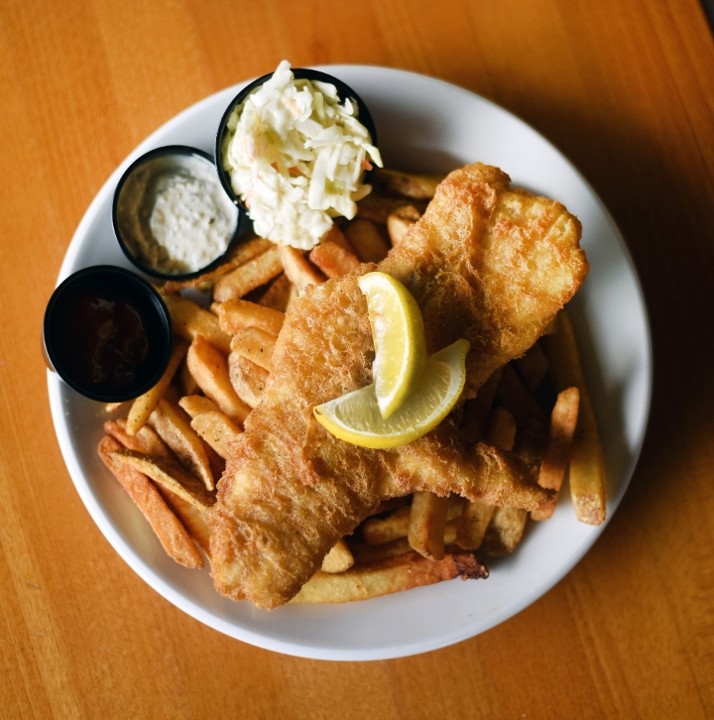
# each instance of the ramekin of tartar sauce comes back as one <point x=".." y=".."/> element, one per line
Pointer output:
<point x="294" y="149"/>
<point x="170" y="214"/>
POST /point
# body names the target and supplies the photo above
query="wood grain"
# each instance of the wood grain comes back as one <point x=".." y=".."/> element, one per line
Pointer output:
<point x="626" y="90"/>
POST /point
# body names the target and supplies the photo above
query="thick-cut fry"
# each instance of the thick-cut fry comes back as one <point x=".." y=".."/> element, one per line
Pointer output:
<point x="193" y="516"/>
<point x="338" y="559"/>
<point x="189" y="320"/>
<point x="473" y="523"/>
<point x="333" y="259"/>
<point x="397" y="226"/>
<point x="500" y="430"/>
<point x="412" y="185"/>
<point x="378" y="208"/>
<point x="298" y="269"/>
<point x="185" y="382"/>
<point x="246" y="250"/>
<point x="248" y="378"/>
<point x="142" y="407"/>
<point x="166" y="526"/>
<point x="277" y="295"/>
<point x="402" y="572"/>
<point x="210" y="368"/>
<point x="145" y="440"/>
<point x="337" y="236"/>
<point x="427" y="521"/>
<point x="238" y="314"/>
<point x="378" y="530"/>
<point x="367" y="239"/>
<point x="554" y="466"/>
<point x="251" y="275"/>
<point x="586" y="476"/>
<point x="174" y="428"/>
<point x="168" y="474"/>
<point x="197" y="404"/>
<point x="531" y="420"/>
<point x="533" y="367"/>
<point x="476" y="412"/>
<point x="255" y="344"/>
<point x="217" y="430"/>
<point x="505" y="531"/>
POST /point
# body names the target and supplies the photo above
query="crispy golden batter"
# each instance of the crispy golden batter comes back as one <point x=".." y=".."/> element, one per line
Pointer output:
<point x="485" y="263"/>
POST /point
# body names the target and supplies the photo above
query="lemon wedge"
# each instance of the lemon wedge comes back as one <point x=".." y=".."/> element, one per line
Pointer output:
<point x="398" y="334"/>
<point x="356" y="417"/>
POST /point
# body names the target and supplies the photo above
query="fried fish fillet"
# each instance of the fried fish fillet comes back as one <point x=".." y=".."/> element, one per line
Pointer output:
<point x="486" y="263"/>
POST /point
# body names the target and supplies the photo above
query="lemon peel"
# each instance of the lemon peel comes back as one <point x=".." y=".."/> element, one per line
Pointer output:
<point x="399" y="343"/>
<point x="356" y="417"/>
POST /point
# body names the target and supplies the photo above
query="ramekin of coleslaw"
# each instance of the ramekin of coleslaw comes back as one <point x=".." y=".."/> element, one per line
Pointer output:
<point x="294" y="150"/>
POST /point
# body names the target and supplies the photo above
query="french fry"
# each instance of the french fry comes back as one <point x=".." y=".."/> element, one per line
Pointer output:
<point x="217" y="430"/>
<point x="471" y="527"/>
<point x="142" y="407"/>
<point x="531" y="419"/>
<point x="427" y="521"/>
<point x="298" y="269"/>
<point x="237" y="314"/>
<point x="379" y="530"/>
<point x="417" y="186"/>
<point x="174" y="428"/>
<point x="166" y="526"/>
<point x="586" y="475"/>
<point x="194" y="518"/>
<point x="247" y="378"/>
<point x="185" y="382"/>
<point x="505" y="531"/>
<point x="190" y="320"/>
<point x="368" y="240"/>
<point x="378" y="208"/>
<point x="277" y="294"/>
<point x="501" y="429"/>
<point x="145" y="440"/>
<point x="196" y="404"/>
<point x="554" y="466"/>
<point x="243" y="252"/>
<point x="210" y="368"/>
<point x="472" y="524"/>
<point x="255" y="344"/>
<point x="395" y="574"/>
<point x="338" y="559"/>
<point x="398" y="225"/>
<point x="251" y="275"/>
<point x="333" y="259"/>
<point x="476" y="412"/>
<point x="336" y="235"/>
<point x="170" y="475"/>
<point x="533" y="367"/>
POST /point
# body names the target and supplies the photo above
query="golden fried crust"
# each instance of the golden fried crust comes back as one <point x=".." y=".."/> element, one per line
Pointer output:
<point x="485" y="263"/>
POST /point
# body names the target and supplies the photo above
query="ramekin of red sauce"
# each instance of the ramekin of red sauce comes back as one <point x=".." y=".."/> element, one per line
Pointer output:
<point x="107" y="333"/>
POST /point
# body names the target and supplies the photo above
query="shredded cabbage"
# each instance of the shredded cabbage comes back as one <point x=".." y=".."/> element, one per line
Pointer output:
<point x="296" y="156"/>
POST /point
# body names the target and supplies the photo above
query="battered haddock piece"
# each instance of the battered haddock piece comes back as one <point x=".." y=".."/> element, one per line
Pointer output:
<point x="486" y="263"/>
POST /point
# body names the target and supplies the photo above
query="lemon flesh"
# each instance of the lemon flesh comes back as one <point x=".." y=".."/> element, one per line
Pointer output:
<point x="399" y="344"/>
<point x="356" y="417"/>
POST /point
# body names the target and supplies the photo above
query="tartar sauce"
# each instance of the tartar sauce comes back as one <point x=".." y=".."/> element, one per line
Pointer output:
<point x="296" y="155"/>
<point x="173" y="214"/>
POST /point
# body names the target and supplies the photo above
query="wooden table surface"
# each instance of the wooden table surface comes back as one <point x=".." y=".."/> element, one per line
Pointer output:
<point x="626" y="89"/>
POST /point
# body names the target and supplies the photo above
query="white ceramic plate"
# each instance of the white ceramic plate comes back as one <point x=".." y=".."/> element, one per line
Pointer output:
<point x="425" y="124"/>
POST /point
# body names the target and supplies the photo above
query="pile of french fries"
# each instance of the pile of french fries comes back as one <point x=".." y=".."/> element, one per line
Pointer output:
<point x="168" y="447"/>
